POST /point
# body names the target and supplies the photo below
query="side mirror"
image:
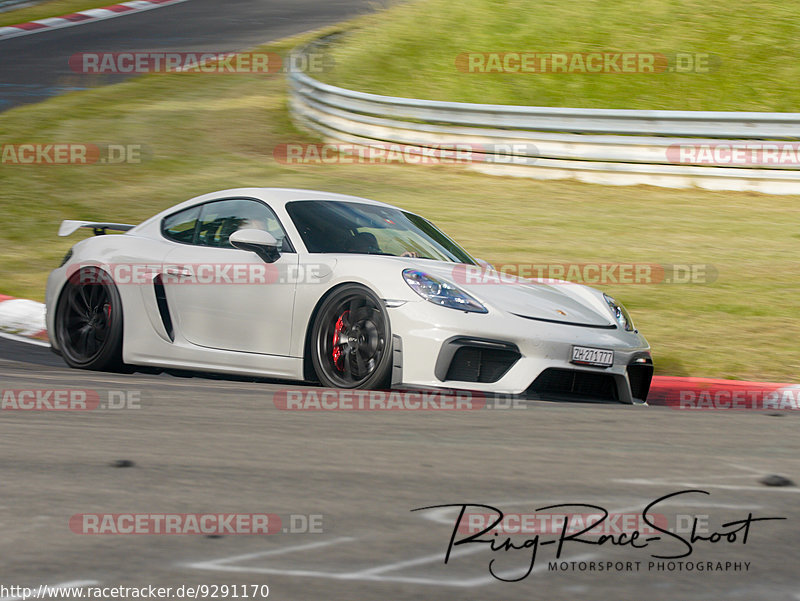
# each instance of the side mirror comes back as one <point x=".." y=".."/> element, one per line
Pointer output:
<point x="485" y="264"/>
<point x="260" y="242"/>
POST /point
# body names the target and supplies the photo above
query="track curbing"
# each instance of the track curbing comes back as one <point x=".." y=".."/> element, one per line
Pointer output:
<point x="80" y="18"/>
<point x="22" y="317"/>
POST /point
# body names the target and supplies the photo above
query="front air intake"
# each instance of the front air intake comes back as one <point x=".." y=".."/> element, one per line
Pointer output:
<point x="640" y="374"/>
<point x="475" y="360"/>
<point x="572" y="383"/>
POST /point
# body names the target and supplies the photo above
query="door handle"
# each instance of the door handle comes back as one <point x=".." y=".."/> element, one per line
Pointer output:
<point x="181" y="272"/>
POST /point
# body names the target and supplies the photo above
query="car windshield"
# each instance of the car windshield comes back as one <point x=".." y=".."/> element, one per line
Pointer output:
<point x="353" y="227"/>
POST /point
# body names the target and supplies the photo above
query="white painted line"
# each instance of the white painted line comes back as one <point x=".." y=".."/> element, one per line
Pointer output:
<point x="729" y="477"/>
<point x="70" y="584"/>
<point x="272" y="552"/>
<point x="98" y="14"/>
<point x="371" y="574"/>
<point x="747" y="468"/>
<point x="688" y="503"/>
<point x="645" y="482"/>
<point x="440" y="514"/>
<point x="734" y="487"/>
<point x="379" y="573"/>
<point x="399" y="565"/>
<point x="479" y="581"/>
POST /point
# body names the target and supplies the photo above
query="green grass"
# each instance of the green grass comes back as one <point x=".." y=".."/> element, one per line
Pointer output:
<point x="54" y="8"/>
<point x="411" y="51"/>
<point x="210" y="132"/>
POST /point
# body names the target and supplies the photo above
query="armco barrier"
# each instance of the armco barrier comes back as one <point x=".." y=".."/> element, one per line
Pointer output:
<point x="595" y="145"/>
<point x="9" y="4"/>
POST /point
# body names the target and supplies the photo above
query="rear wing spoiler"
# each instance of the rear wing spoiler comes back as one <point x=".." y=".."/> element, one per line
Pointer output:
<point x="70" y="227"/>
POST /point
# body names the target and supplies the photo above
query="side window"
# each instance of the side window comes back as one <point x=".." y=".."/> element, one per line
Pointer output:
<point x="180" y="226"/>
<point x="218" y="220"/>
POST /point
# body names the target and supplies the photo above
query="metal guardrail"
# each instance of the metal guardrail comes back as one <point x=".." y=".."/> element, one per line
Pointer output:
<point x="9" y="4"/>
<point x="595" y="145"/>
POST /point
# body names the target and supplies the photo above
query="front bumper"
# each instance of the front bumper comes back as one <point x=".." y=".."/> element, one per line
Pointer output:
<point x="427" y="334"/>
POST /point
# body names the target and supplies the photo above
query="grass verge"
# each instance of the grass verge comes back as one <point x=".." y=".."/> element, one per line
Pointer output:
<point x="411" y="50"/>
<point x="210" y="132"/>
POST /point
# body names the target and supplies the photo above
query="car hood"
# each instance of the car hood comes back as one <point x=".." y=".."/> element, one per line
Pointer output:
<point x="547" y="300"/>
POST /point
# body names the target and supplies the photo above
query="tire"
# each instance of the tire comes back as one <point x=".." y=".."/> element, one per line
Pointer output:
<point x="88" y="321"/>
<point x="351" y="340"/>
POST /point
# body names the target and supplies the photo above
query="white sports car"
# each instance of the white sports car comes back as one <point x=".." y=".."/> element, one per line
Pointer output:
<point x="347" y="292"/>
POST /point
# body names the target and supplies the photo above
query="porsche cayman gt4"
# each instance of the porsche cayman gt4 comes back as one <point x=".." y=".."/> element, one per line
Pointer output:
<point x="347" y="292"/>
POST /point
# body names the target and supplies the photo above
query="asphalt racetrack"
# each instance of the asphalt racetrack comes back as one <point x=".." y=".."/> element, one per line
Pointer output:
<point x="35" y="67"/>
<point x="343" y="484"/>
<point x="202" y="445"/>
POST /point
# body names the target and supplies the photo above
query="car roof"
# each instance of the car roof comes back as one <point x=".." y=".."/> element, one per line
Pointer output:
<point x="274" y="196"/>
<point x="277" y="198"/>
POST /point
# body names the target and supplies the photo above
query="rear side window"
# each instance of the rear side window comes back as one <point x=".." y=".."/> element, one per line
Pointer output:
<point x="212" y="224"/>
<point x="180" y="226"/>
<point x="218" y="220"/>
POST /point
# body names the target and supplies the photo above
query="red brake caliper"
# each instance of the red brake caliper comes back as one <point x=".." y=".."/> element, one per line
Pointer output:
<point x="337" y="350"/>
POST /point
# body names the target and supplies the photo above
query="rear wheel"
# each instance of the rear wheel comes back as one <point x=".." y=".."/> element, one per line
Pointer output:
<point x="351" y="340"/>
<point x="88" y="321"/>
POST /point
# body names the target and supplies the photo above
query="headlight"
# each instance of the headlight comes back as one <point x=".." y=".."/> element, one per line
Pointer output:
<point x="620" y="314"/>
<point x="440" y="292"/>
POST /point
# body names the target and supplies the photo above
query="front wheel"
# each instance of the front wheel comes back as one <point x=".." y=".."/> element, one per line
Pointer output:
<point x="88" y="321"/>
<point x="352" y="340"/>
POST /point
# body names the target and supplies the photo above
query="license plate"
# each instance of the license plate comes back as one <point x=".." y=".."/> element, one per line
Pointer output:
<point x="592" y="356"/>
